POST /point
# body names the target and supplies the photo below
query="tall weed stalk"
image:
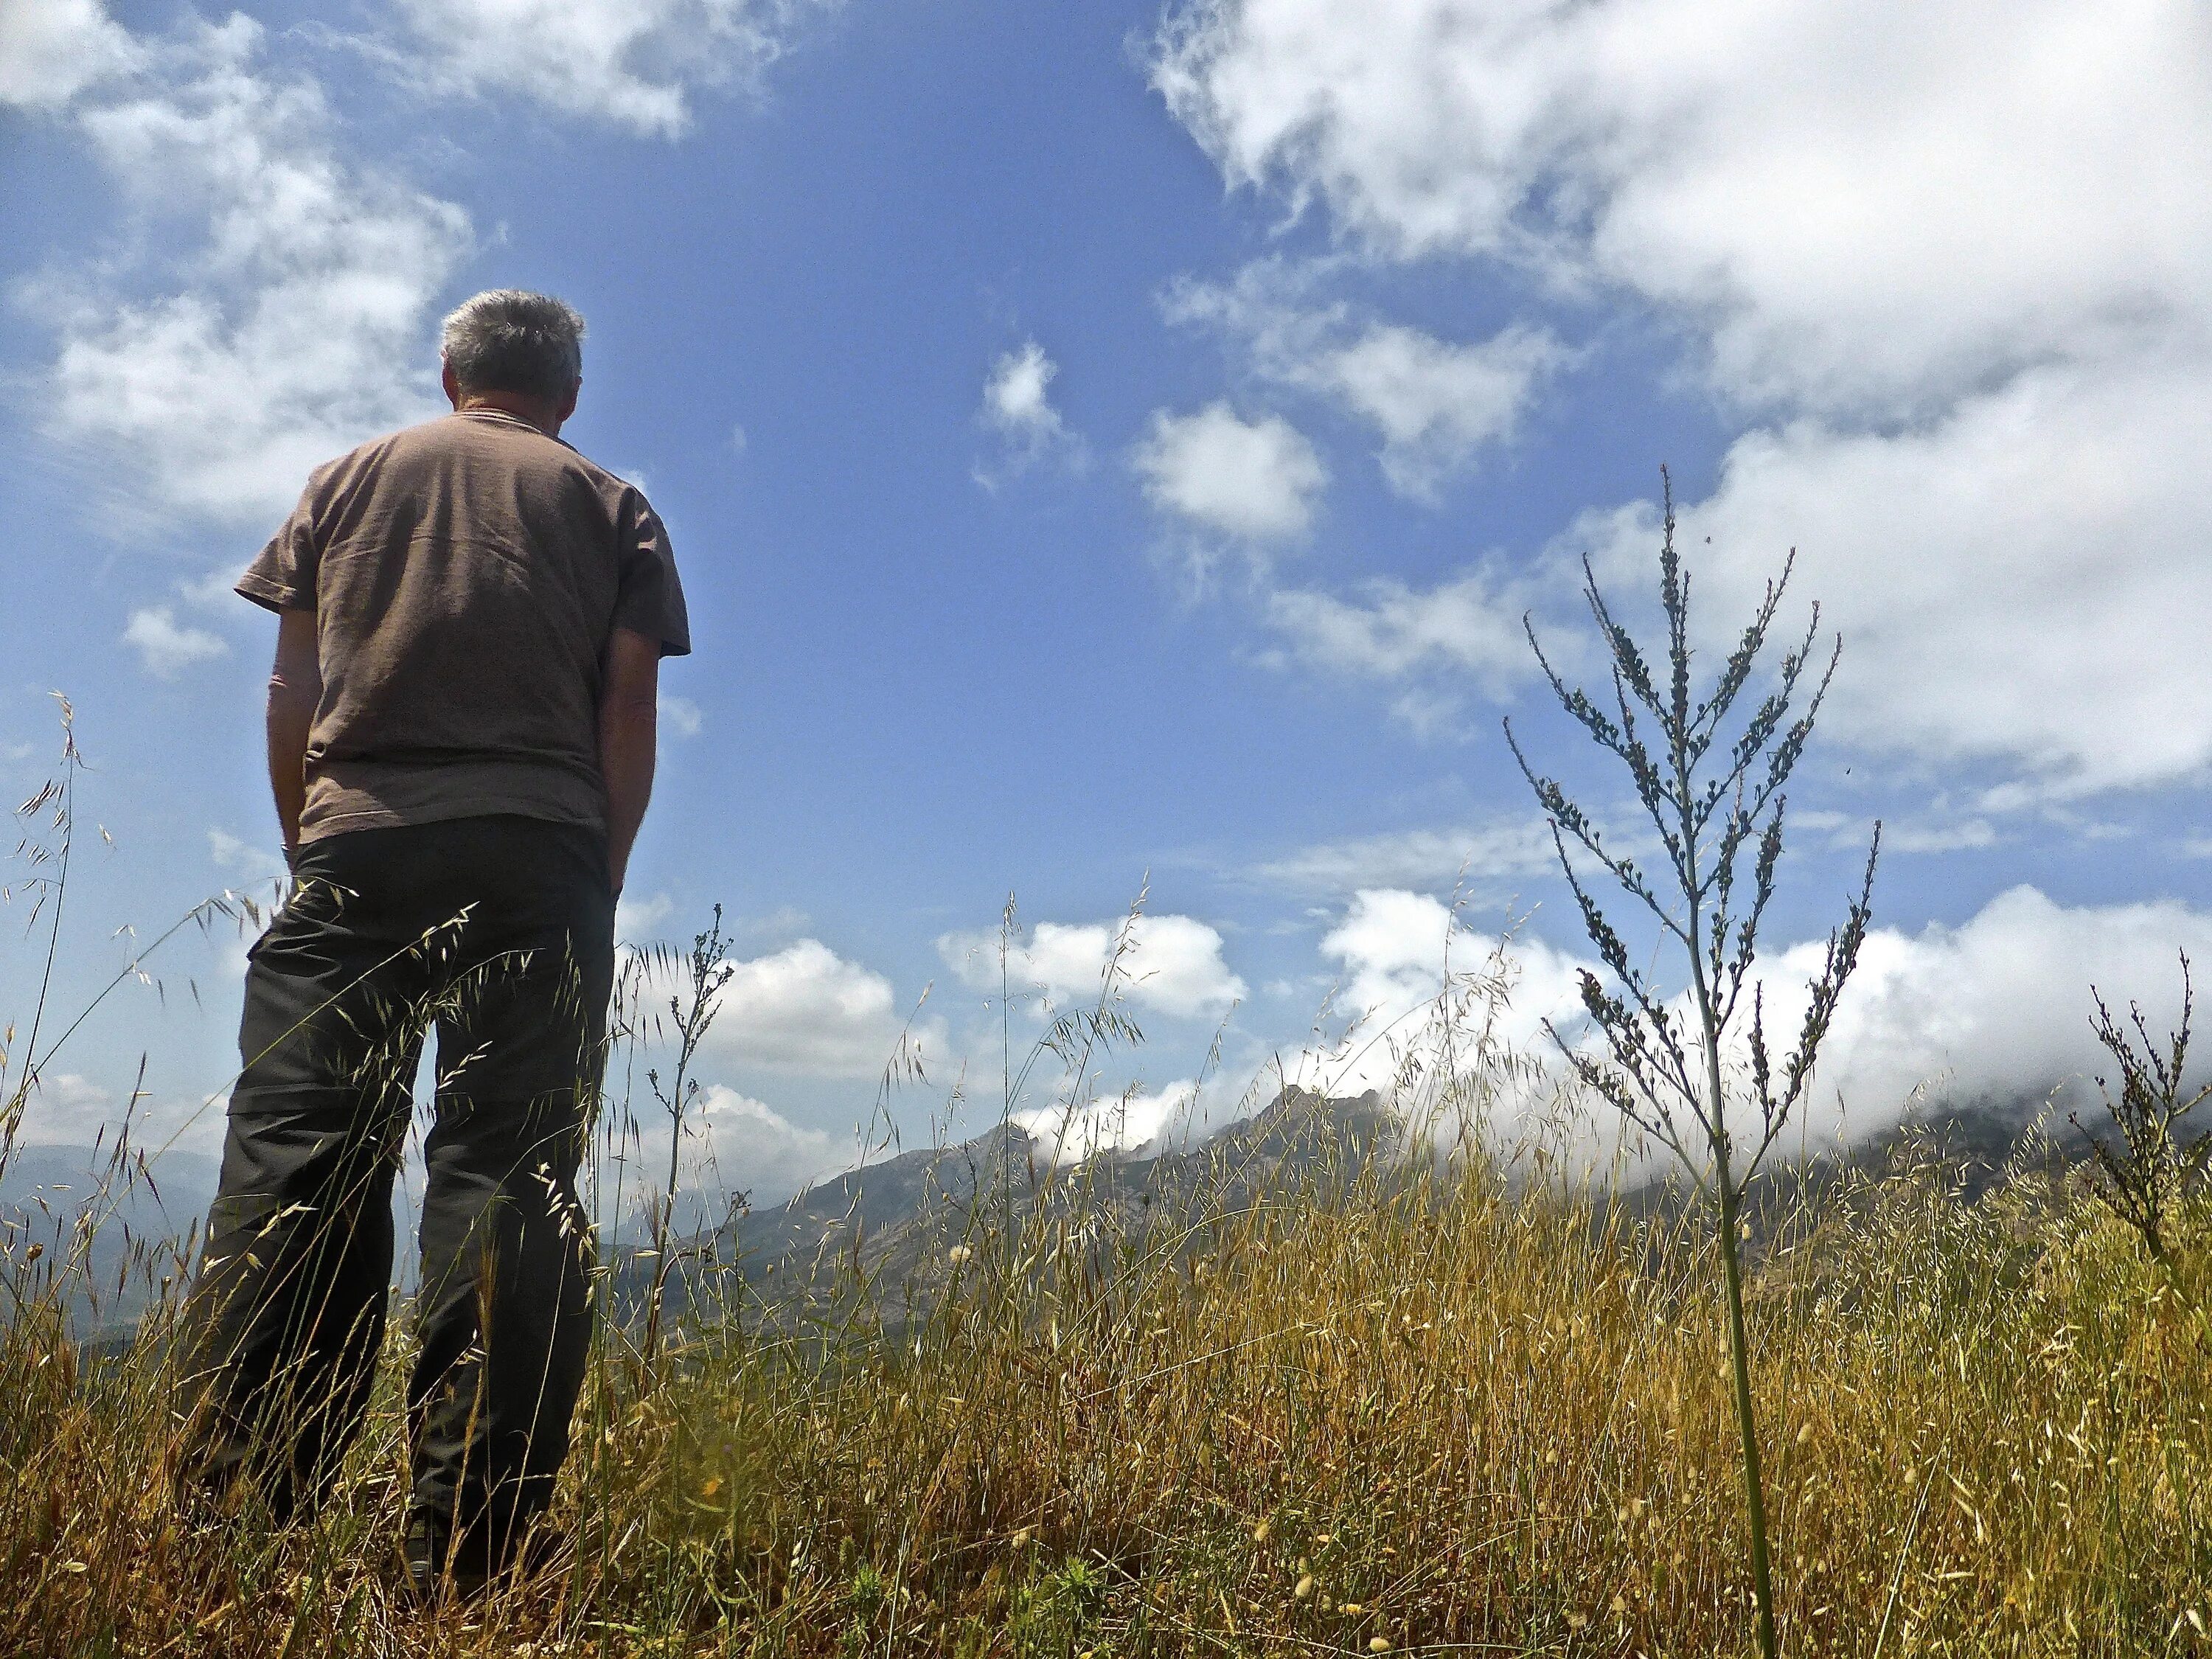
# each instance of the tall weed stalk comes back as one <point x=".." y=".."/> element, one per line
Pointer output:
<point x="1711" y="784"/>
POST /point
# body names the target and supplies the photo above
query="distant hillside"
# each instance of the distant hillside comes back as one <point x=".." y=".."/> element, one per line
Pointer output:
<point x="47" y="1193"/>
<point x="898" y="1220"/>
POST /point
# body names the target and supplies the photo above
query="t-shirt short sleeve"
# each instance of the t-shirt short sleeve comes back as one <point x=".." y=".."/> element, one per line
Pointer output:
<point x="283" y="574"/>
<point x="650" y="600"/>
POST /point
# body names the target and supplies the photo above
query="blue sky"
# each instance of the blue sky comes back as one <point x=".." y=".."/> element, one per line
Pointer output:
<point x="1107" y="439"/>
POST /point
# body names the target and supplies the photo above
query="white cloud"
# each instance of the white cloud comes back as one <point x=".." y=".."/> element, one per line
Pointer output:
<point x="1994" y="1011"/>
<point x="1934" y="834"/>
<point x="681" y="715"/>
<point x="257" y="874"/>
<point x="298" y="324"/>
<point x="1392" y="951"/>
<point x="1502" y="850"/>
<point x="1254" y="481"/>
<point x="53" y="50"/>
<point x="1017" y="406"/>
<point x="1122" y="1123"/>
<point x="1015" y="397"/>
<point x="744" y="1144"/>
<point x="1466" y="629"/>
<point x="1420" y="998"/>
<point x="1872" y="200"/>
<point x="67" y="1109"/>
<point x="166" y="648"/>
<point x="1436" y="405"/>
<point x="255" y="867"/>
<point x="1949" y="259"/>
<point x="2004" y="579"/>
<point x="1997" y="1009"/>
<point x="637" y="920"/>
<point x="1171" y="964"/>
<point x="807" y="1010"/>
<point x="632" y="63"/>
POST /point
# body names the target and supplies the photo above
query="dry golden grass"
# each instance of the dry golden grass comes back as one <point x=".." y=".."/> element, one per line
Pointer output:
<point x="1430" y="1415"/>
<point x="1397" y="1410"/>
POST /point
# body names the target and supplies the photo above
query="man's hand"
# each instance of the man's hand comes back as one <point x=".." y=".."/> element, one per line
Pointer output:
<point x="295" y="687"/>
<point x="629" y="723"/>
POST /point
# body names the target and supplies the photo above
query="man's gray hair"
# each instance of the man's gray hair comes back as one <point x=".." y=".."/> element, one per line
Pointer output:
<point x="508" y="340"/>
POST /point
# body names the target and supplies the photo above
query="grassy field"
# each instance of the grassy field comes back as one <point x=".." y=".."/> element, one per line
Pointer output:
<point x="1397" y="1411"/>
<point x="1386" y="1401"/>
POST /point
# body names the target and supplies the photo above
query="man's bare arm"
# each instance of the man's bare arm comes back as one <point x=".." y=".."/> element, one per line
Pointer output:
<point x="629" y="729"/>
<point x="295" y="686"/>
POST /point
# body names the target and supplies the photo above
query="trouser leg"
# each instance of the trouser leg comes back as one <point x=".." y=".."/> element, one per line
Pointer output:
<point x="505" y="1316"/>
<point x="288" y="1312"/>
<point x="505" y="1307"/>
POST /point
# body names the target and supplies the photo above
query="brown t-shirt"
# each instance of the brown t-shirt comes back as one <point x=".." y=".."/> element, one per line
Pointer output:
<point x="467" y="576"/>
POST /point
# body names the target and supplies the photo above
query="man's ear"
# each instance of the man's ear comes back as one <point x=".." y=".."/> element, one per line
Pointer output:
<point x="568" y="403"/>
<point x="446" y="379"/>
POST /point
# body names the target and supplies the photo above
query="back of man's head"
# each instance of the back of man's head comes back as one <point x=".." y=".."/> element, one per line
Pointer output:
<point x="508" y="340"/>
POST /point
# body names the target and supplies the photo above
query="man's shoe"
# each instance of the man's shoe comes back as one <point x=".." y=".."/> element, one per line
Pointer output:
<point x="437" y="1573"/>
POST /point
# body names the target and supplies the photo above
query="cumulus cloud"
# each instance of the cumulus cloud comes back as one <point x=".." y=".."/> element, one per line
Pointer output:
<point x="632" y="62"/>
<point x="1015" y="397"/>
<point x="1992" y="1011"/>
<point x="166" y="648"/>
<point x="1944" y="264"/>
<point x="1017" y="406"/>
<point x="806" y="1009"/>
<point x="1126" y="1122"/>
<point x="67" y="1109"/>
<point x="1171" y="964"/>
<point x="1395" y="953"/>
<point x="1436" y="641"/>
<point x="745" y="1146"/>
<point x="295" y="322"/>
<point x="1436" y="405"/>
<point x="638" y="919"/>
<point x="2002" y="578"/>
<point x="52" y="50"/>
<point x="1997" y="1009"/>
<point x="1873" y="201"/>
<point x="1253" y="481"/>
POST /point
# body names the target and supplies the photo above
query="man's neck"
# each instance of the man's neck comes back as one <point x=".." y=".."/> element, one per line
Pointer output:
<point x="522" y="407"/>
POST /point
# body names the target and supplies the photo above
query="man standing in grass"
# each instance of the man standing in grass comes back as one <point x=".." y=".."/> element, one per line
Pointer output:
<point x="461" y="730"/>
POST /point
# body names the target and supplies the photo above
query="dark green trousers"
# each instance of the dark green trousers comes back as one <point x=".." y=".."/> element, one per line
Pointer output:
<point x="498" y="932"/>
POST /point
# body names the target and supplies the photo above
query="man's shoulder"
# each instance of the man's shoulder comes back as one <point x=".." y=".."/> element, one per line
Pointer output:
<point x="451" y="446"/>
<point x="423" y="438"/>
<point x="517" y="443"/>
<point x="363" y="452"/>
<point x="611" y="485"/>
<point x="504" y="441"/>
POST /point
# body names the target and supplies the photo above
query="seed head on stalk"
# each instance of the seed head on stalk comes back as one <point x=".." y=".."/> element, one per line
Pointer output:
<point x="1713" y="785"/>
